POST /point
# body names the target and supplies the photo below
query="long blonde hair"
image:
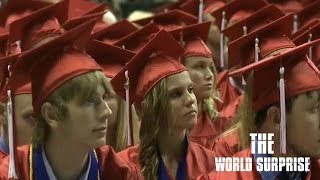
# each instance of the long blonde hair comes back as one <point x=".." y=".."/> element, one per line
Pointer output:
<point x="154" y="115"/>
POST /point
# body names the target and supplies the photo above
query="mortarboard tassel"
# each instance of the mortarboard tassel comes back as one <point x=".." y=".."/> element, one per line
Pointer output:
<point x="295" y="23"/>
<point x="245" y="30"/>
<point x="12" y="174"/>
<point x="283" y="141"/>
<point x="200" y="15"/>
<point x="256" y="50"/>
<point x="126" y="87"/>
<point x="310" y="48"/>
<point x="223" y="24"/>
<point x="244" y="83"/>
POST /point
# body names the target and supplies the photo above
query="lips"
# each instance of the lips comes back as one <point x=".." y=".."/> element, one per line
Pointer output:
<point x="100" y="129"/>
<point x="191" y="112"/>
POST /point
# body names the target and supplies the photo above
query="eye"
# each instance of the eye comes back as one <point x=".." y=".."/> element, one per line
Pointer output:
<point x="315" y="108"/>
<point x="190" y="89"/>
<point x="175" y="94"/>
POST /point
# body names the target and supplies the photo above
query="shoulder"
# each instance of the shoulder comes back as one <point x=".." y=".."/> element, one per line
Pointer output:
<point x="227" y="145"/>
<point x="22" y="163"/>
<point x="114" y="167"/>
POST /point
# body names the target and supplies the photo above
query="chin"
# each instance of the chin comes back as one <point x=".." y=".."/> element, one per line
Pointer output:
<point x="99" y="142"/>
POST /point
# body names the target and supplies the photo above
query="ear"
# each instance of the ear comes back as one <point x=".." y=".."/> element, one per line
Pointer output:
<point x="3" y="113"/>
<point x="273" y="117"/>
<point x="50" y="114"/>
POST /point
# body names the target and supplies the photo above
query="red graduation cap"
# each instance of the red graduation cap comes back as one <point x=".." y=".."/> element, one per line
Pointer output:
<point x="170" y="20"/>
<point x="257" y="20"/>
<point x="288" y="6"/>
<point x="210" y="6"/>
<point x="309" y="14"/>
<point x="114" y="32"/>
<point x="194" y="38"/>
<point x="237" y="10"/>
<point x="71" y="62"/>
<point x="71" y="23"/>
<point x="304" y="29"/>
<point x="111" y="58"/>
<point x="312" y="33"/>
<point x="169" y="6"/>
<point x="4" y="35"/>
<point x="262" y="42"/>
<point x="15" y="9"/>
<point x="79" y="8"/>
<point x="157" y="60"/>
<point x="193" y="6"/>
<point x="39" y="25"/>
<point x="136" y="40"/>
<point x="279" y="77"/>
<point x="304" y="37"/>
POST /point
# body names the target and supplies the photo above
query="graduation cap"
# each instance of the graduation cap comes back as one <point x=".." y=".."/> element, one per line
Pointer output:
<point x="157" y="60"/>
<point x="111" y="58"/>
<point x="170" y="20"/>
<point x="288" y="6"/>
<point x="70" y="63"/>
<point x="232" y="12"/>
<point x="261" y="43"/>
<point x="308" y="14"/>
<point x="304" y="29"/>
<point x="200" y="7"/>
<point x="236" y="10"/>
<point x="79" y="8"/>
<point x="169" y="6"/>
<point x="15" y="9"/>
<point x="311" y="34"/>
<point x="257" y="20"/>
<point x="281" y="76"/>
<point x="71" y="23"/>
<point x="39" y="25"/>
<point x="135" y="41"/>
<point x="114" y="32"/>
<point x="4" y="35"/>
<point x="193" y="38"/>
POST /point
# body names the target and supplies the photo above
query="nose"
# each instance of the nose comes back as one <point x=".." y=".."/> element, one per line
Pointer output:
<point x="209" y="74"/>
<point x="190" y="99"/>
<point x="105" y="111"/>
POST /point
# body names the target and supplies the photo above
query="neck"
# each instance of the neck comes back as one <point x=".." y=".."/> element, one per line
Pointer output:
<point x="61" y="156"/>
<point x="172" y="145"/>
<point x="199" y="107"/>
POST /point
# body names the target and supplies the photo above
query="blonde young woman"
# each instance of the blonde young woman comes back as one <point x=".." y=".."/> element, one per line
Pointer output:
<point x="162" y="92"/>
<point x="68" y="97"/>
<point x="198" y="60"/>
<point x="112" y="59"/>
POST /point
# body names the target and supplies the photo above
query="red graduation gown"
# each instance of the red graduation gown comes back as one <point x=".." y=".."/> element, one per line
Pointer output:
<point x="199" y="159"/>
<point x="230" y="96"/>
<point x="111" y="166"/>
<point x="206" y="130"/>
<point x="3" y="155"/>
<point x="227" y="145"/>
